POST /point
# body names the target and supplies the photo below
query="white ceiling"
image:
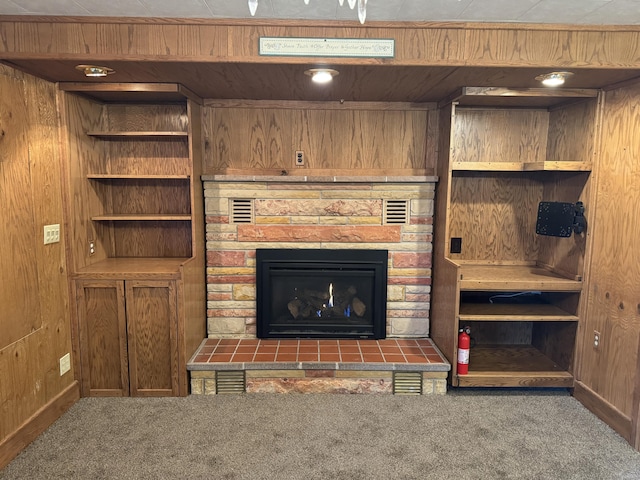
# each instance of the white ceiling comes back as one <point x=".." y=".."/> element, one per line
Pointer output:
<point x="591" y="12"/>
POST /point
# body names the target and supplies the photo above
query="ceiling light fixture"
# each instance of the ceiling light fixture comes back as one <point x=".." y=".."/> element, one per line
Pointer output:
<point x="321" y="75"/>
<point x="553" y="79"/>
<point x="362" y="7"/>
<point x="95" y="70"/>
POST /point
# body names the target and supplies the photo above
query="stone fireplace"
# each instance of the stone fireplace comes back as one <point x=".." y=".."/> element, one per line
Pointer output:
<point x="247" y="213"/>
<point x="321" y="293"/>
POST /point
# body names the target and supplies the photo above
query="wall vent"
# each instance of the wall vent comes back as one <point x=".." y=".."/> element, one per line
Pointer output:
<point x="407" y="383"/>
<point x="230" y="381"/>
<point x="241" y="210"/>
<point x="396" y="212"/>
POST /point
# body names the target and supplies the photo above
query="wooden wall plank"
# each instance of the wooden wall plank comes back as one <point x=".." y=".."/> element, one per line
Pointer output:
<point x="264" y="138"/>
<point x="20" y="234"/>
<point x="29" y="367"/>
<point x="613" y="298"/>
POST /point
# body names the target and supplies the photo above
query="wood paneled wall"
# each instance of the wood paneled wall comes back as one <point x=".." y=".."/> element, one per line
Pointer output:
<point x="256" y="138"/>
<point x="416" y="44"/>
<point x="35" y="325"/>
<point x="611" y="371"/>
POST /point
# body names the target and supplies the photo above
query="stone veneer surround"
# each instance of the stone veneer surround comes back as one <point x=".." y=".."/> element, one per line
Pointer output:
<point x="316" y="212"/>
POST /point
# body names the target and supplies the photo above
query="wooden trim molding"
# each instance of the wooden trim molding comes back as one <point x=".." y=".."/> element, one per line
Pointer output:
<point x="603" y="410"/>
<point x="11" y="446"/>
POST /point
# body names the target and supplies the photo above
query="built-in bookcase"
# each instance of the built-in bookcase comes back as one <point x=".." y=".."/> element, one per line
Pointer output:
<point x="137" y="219"/>
<point x="502" y="153"/>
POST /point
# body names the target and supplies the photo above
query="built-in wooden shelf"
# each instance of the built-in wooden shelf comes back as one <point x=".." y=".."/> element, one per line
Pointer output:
<point x="508" y="312"/>
<point x="133" y="267"/>
<point x="514" y="278"/>
<point x="504" y="97"/>
<point x="555" y="166"/>
<point x="138" y="134"/>
<point x="116" y="176"/>
<point x="128" y="217"/>
<point x="134" y="92"/>
<point x="513" y="366"/>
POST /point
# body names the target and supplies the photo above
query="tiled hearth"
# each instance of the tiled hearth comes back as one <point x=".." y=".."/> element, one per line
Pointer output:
<point x="318" y="366"/>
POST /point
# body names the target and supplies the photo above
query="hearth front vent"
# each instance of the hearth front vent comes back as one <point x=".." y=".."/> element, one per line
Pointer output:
<point x="321" y="293"/>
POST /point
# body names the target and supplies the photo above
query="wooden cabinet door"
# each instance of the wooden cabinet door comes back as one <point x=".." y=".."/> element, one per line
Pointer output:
<point x="152" y="327"/>
<point x="103" y="338"/>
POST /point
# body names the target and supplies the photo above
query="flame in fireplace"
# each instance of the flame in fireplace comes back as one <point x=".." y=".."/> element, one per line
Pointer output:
<point x="331" y="295"/>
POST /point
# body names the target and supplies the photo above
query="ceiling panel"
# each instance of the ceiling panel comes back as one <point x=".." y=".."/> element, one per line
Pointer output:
<point x="251" y="81"/>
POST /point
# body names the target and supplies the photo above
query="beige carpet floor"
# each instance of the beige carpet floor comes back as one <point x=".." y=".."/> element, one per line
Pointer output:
<point x="462" y="435"/>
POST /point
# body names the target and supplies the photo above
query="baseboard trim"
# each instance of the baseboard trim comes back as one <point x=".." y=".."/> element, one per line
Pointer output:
<point x="11" y="446"/>
<point x="603" y="410"/>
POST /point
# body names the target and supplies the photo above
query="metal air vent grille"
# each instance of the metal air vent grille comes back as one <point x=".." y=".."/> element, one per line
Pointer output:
<point x="241" y="210"/>
<point x="396" y="212"/>
<point x="230" y="381"/>
<point x="407" y="383"/>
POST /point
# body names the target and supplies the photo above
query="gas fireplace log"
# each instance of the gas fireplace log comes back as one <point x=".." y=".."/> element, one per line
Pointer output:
<point x="298" y="309"/>
<point x="294" y="307"/>
<point x="359" y="308"/>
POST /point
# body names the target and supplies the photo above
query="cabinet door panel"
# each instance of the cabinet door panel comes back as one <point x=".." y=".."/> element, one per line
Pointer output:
<point x="152" y="330"/>
<point x="103" y="338"/>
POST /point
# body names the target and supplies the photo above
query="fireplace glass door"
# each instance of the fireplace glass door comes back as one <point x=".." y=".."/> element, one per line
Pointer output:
<point x="315" y="293"/>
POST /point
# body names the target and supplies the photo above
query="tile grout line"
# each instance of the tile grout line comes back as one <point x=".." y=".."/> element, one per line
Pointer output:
<point x="401" y="351"/>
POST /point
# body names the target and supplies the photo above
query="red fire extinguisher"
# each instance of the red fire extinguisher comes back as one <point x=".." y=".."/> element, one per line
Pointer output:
<point x="464" y="343"/>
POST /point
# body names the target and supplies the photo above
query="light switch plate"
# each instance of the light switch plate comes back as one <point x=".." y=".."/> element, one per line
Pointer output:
<point x="65" y="363"/>
<point x="51" y="233"/>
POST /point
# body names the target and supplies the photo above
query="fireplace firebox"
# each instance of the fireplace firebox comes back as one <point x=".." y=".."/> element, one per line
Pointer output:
<point x="321" y="293"/>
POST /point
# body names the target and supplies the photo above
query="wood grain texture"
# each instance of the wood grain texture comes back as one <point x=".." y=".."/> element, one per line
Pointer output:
<point x="481" y="44"/>
<point x="510" y="358"/>
<point x="152" y="238"/>
<point x="152" y="335"/>
<point x="536" y="379"/>
<point x="495" y="215"/>
<point x="499" y="333"/>
<point x="21" y="234"/>
<point x="514" y="278"/>
<point x="443" y="328"/>
<point x="191" y="290"/>
<point x="331" y="139"/>
<point x="133" y="269"/>
<point x="103" y="337"/>
<point x="79" y="115"/>
<point x="613" y="417"/>
<point x="574" y="133"/>
<point x="509" y="312"/>
<point x="613" y="299"/>
<point x="29" y="366"/>
<point x="566" y="255"/>
<point x="499" y="135"/>
<point x="12" y="445"/>
<point x="557" y="341"/>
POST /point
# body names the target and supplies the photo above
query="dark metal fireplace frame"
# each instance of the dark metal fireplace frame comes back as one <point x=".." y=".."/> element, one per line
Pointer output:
<point x="318" y="263"/>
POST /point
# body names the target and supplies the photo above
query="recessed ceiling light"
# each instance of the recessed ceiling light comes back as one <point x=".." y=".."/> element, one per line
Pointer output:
<point x="95" y="70"/>
<point x="553" y="79"/>
<point x="321" y="75"/>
